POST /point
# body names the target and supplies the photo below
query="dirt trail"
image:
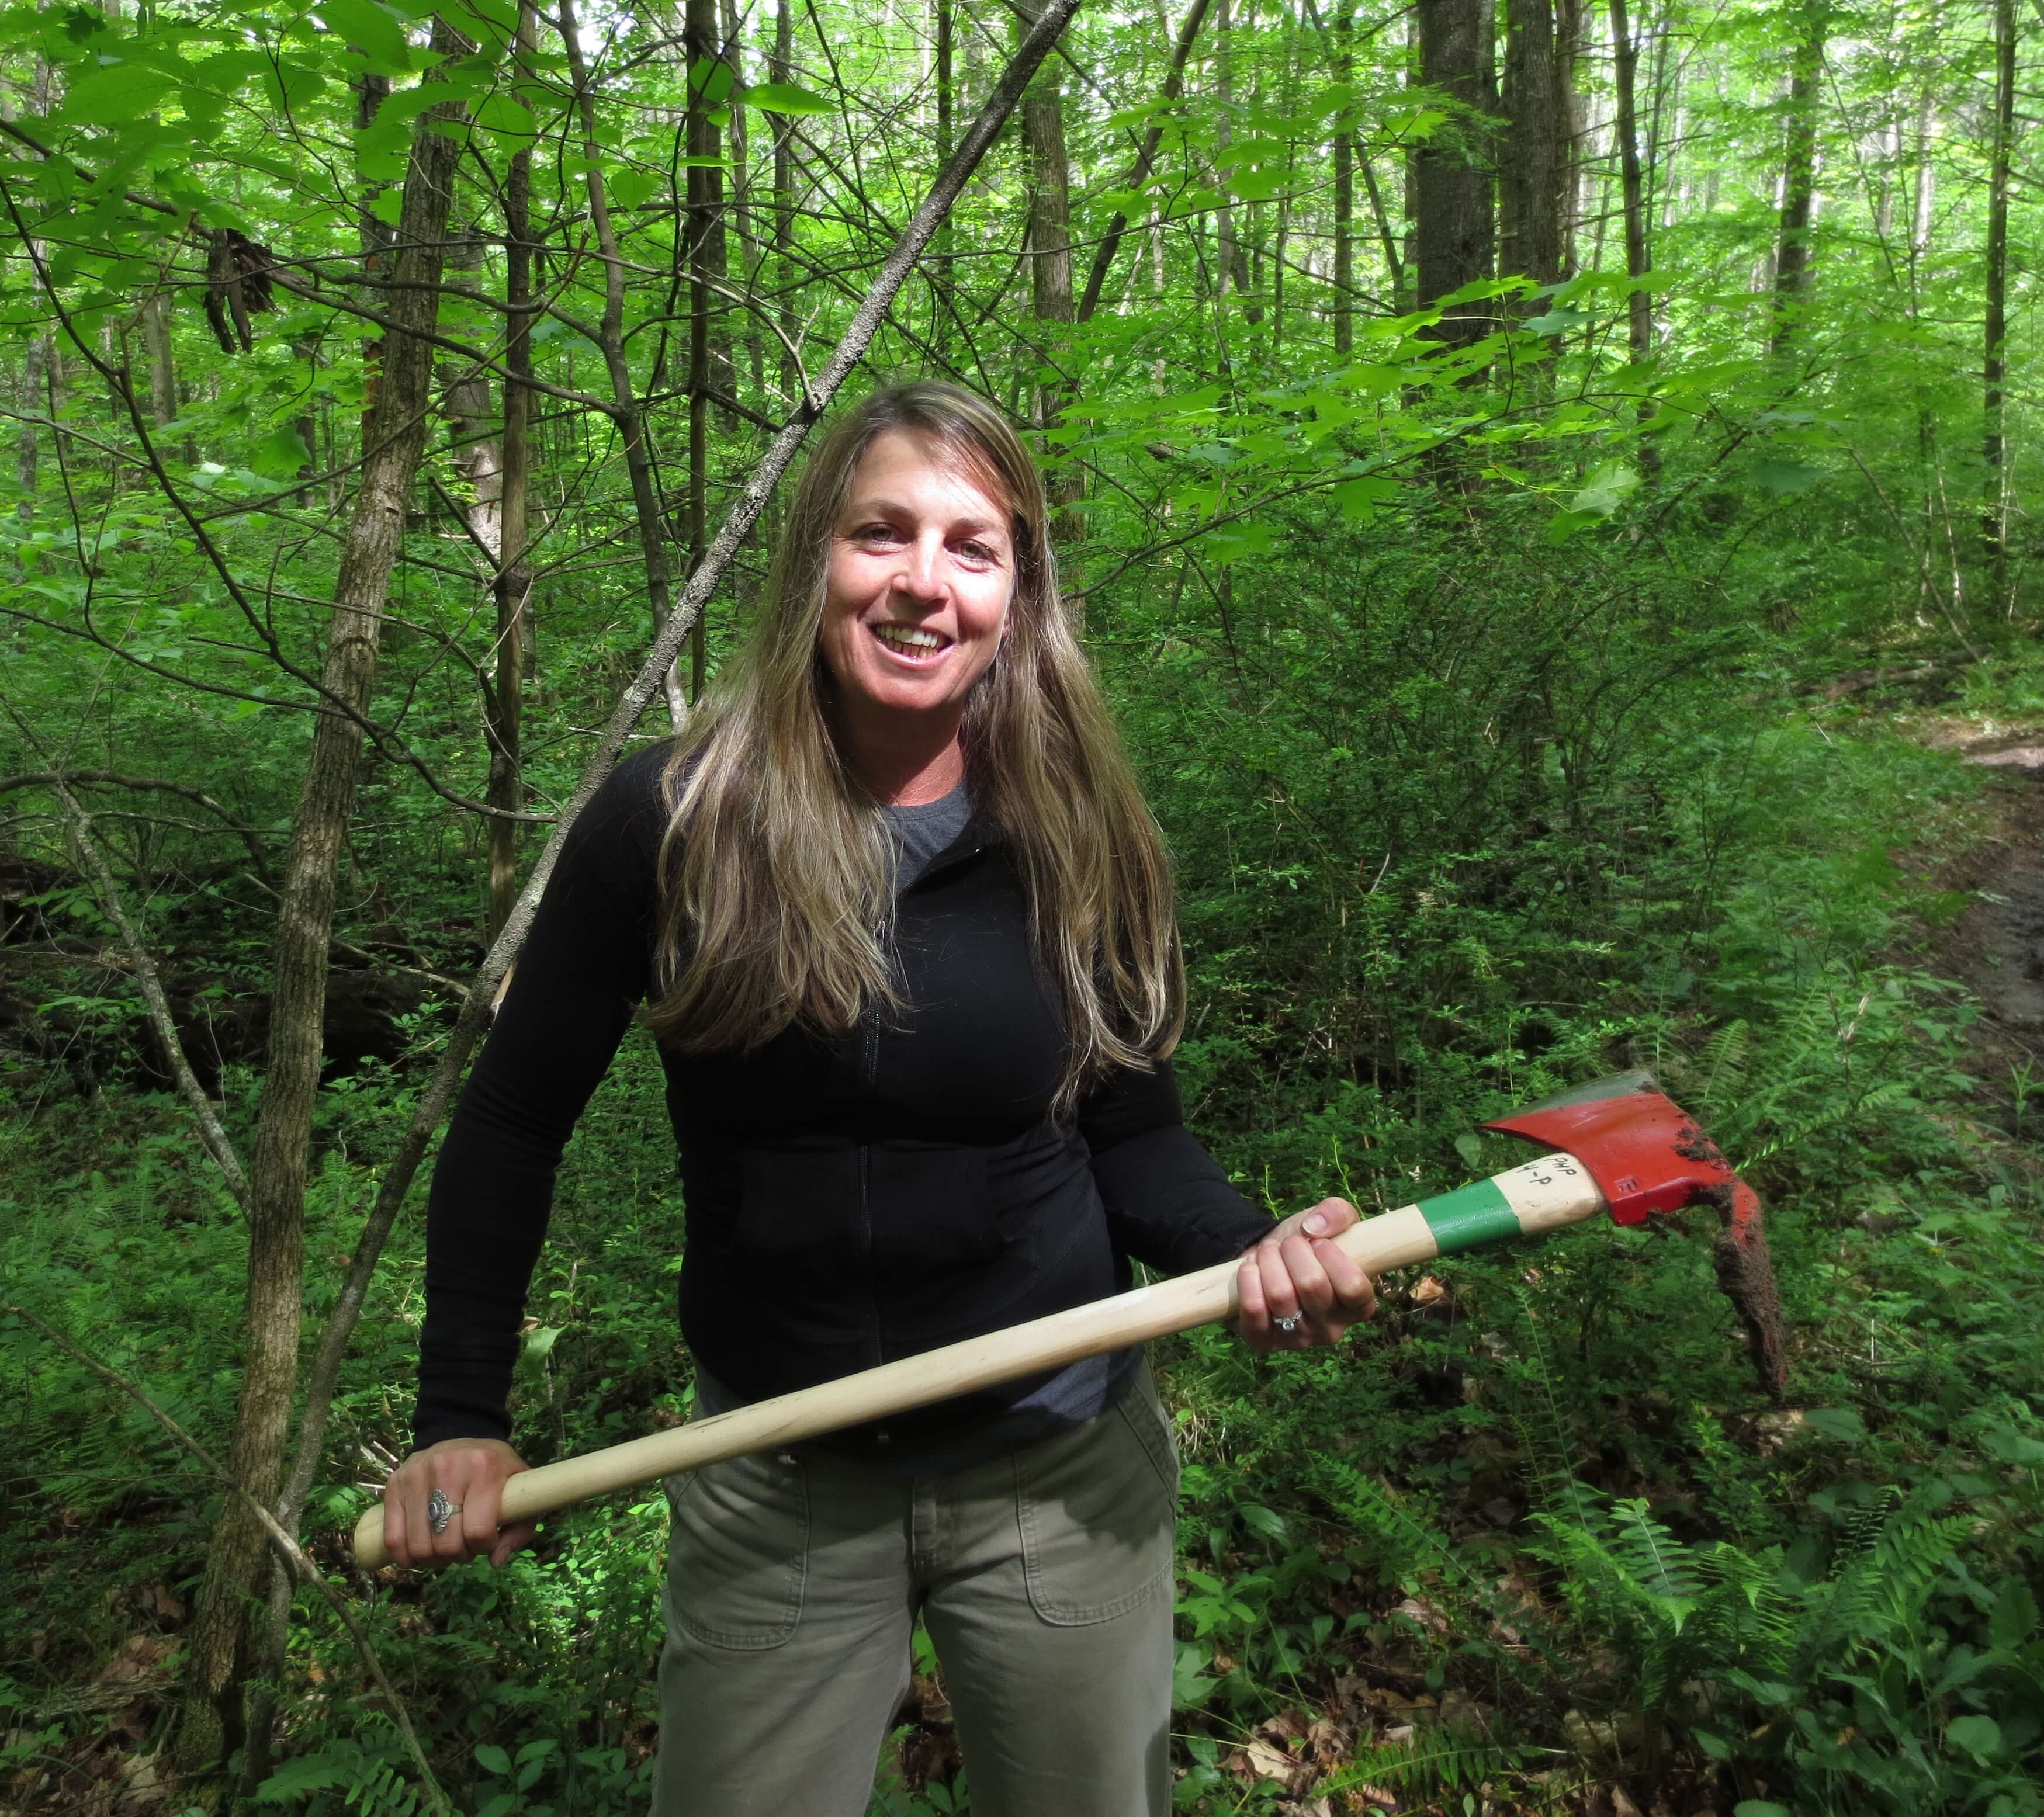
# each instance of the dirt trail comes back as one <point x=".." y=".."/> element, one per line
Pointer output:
<point x="1996" y="946"/>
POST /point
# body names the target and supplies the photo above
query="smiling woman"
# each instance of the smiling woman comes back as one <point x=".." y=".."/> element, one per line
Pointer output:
<point x="906" y="926"/>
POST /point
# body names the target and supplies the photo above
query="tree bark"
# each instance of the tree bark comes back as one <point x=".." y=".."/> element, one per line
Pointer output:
<point x="513" y="584"/>
<point x="1994" y="497"/>
<point x="1456" y="219"/>
<point x="1535" y="174"/>
<point x="211" y="1719"/>
<point x="1638" y="304"/>
<point x="1050" y="203"/>
<point x="162" y="374"/>
<point x="1571" y="27"/>
<point x="1798" y="174"/>
<point x="784" y="203"/>
<point x="1344" y="196"/>
<point x="709" y="359"/>
<point x="35" y="402"/>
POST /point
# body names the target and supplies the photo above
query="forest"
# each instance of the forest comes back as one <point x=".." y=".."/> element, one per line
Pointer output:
<point x="1543" y="485"/>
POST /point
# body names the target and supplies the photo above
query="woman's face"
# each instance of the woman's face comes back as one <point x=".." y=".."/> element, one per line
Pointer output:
<point x="921" y="575"/>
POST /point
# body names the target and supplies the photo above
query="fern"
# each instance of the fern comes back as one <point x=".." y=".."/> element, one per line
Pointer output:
<point x="1438" y="1763"/>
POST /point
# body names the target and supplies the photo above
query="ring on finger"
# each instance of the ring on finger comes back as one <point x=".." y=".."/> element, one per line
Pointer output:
<point x="439" y="1511"/>
<point x="1288" y="1322"/>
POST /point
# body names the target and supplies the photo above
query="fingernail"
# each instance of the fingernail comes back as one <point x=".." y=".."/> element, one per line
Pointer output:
<point x="1315" y="1224"/>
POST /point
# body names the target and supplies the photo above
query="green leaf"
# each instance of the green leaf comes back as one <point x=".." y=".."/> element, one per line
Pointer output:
<point x="1760" y="1807"/>
<point x="116" y="93"/>
<point x="1784" y="478"/>
<point x="785" y="97"/>
<point x="365" y="27"/>
<point x="1358" y="498"/>
<point x="508" y="119"/>
<point x="1839" y="1423"/>
<point x="1470" y="1148"/>
<point x="492" y="1759"/>
<point x="280" y="455"/>
<point x="1261" y="1521"/>
<point x="1608" y="488"/>
<point x="1981" y="1736"/>
<point x="2013" y="1618"/>
<point x="629" y="188"/>
<point x="295" y="1778"/>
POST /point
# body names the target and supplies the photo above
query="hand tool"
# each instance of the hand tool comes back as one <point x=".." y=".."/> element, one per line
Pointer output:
<point x="1622" y="1147"/>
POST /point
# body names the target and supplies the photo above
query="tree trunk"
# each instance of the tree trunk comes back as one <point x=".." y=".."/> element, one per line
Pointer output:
<point x="1458" y="231"/>
<point x="1994" y="497"/>
<point x="211" y="1721"/>
<point x="1344" y="196"/>
<point x="1139" y="172"/>
<point x="1638" y="303"/>
<point x="1231" y="263"/>
<point x="709" y="360"/>
<point x="1050" y="202"/>
<point x="1799" y="174"/>
<point x="373" y="235"/>
<point x="162" y="374"/>
<point x="1531" y="193"/>
<point x="625" y="410"/>
<point x="743" y="215"/>
<point x="35" y="402"/>
<point x="783" y="205"/>
<point x="1571" y="27"/>
<point x="514" y="585"/>
<point x="946" y="243"/>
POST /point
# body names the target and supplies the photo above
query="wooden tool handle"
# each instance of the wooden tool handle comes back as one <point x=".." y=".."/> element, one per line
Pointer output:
<point x="1541" y="1196"/>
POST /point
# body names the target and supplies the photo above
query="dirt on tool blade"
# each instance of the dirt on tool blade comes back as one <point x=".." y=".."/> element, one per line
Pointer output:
<point x="1745" y="1277"/>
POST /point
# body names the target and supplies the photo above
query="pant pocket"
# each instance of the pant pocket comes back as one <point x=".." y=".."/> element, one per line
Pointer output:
<point x="1097" y="1509"/>
<point x="740" y="1553"/>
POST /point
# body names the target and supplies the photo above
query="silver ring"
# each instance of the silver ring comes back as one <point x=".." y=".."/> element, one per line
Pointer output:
<point x="440" y="1511"/>
<point x="1288" y="1322"/>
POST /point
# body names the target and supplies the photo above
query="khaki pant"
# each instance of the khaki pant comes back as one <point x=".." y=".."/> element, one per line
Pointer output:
<point x="1044" y="1579"/>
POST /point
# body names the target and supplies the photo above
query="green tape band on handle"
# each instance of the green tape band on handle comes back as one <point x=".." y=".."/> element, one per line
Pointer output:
<point x="1470" y="1218"/>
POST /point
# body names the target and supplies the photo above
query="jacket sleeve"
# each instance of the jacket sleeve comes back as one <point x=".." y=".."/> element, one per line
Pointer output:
<point x="1168" y="1205"/>
<point x="583" y="967"/>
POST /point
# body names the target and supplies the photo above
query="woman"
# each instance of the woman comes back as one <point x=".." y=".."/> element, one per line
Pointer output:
<point x="906" y="926"/>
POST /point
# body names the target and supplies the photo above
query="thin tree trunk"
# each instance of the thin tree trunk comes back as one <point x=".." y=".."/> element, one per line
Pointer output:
<point x="1344" y="195"/>
<point x="784" y="203"/>
<point x="1050" y="193"/>
<point x="1146" y="157"/>
<point x="1457" y="227"/>
<point x="743" y="216"/>
<point x="1799" y="174"/>
<point x="513" y="584"/>
<point x="1625" y="61"/>
<point x="211" y="1720"/>
<point x="610" y="336"/>
<point x="708" y="359"/>
<point x="162" y="374"/>
<point x="1994" y="500"/>
<point x="1394" y="265"/>
<point x="945" y="267"/>
<point x="35" y="402"/>
<point x="1571" y="27"/>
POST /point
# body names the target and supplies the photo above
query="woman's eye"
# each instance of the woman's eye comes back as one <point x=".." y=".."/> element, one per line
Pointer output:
<point x="979" y="552"/>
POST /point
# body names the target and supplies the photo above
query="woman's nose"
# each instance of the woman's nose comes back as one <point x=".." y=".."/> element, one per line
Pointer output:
<point x="918" y="574"/>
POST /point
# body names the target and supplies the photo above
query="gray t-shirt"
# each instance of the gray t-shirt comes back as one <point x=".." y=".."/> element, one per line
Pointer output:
<point x="922" y="832"/>
<point x="1078" y="1392"/>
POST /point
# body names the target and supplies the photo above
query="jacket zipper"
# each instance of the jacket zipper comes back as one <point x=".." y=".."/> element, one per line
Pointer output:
<point x="869" y="1077"/>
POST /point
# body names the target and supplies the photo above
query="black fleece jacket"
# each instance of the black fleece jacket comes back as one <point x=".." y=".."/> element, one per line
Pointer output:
<point x="848" y="1201"/>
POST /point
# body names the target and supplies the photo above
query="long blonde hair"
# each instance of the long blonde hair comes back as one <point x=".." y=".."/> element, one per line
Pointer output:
<point x="777" y="871"/>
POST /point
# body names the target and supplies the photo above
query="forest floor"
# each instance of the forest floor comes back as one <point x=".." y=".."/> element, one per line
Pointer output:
<point x="1313" y="1661"/>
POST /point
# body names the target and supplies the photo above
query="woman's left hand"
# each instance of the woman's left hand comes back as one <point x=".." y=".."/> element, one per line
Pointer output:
<point x="1296" y="1274"/>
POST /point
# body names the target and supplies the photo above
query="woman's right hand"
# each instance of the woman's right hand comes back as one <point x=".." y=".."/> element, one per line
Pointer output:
<point x="470" y="1472"/>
